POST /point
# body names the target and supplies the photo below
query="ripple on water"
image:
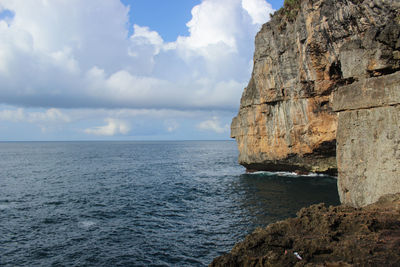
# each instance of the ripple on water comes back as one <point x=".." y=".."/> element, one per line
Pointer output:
<point x="137" y="203"/>
<point x="4" y="206"/>
<point x="86" y="224"/>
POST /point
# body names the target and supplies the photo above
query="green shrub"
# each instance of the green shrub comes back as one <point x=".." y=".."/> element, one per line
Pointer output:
<point x="291" y="8"/>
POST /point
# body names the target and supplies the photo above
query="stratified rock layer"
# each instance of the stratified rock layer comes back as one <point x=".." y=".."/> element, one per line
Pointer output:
<point x="285" y="121"/>
<point x="334" y="236"/>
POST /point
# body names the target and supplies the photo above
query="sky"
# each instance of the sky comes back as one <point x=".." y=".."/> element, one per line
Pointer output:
<point x="125" y="70"/>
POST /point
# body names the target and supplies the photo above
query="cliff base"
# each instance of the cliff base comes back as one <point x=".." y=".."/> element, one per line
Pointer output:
<point x="334" y="236"/>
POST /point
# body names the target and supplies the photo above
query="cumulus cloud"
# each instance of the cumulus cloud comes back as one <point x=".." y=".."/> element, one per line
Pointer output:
<point x="77" y="54"/>
<point x="214" y="125"/>
<point x="258" y="10"/>
<point x="113" y="127"/>
<point x="213" y="22"/>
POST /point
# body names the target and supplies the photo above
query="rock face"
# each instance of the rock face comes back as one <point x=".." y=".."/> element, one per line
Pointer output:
<point x="286" y="121"/>
<point x="368" y="139"/>
<point x="315" y="58"/>
<point x="334" y="236"/>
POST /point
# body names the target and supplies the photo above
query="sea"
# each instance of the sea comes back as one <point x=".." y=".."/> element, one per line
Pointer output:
<point x="169" y="203"/>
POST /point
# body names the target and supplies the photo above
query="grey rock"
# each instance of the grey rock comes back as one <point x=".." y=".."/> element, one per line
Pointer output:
<point x="368" y="139"/>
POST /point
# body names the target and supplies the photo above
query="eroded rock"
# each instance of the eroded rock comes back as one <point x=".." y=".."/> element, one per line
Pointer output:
<point x="286" y="121"/>
<point x="368" y="139"/>
<point x="325" y="236"/>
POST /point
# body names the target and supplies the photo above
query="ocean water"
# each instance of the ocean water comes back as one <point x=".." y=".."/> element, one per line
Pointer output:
<point x="137" y="203"/>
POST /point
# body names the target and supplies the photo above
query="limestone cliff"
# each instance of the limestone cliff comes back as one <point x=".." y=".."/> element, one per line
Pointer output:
<point x="368" y="139"/>
<point x="307" y="51"/>
<point x="315" y="58"/>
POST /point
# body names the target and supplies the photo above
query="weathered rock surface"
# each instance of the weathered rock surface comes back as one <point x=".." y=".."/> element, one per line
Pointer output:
<point x="334" y="236"/>
<point x="286" y="121"/>
<point x="368" y="139"/>
<point x="322" y="57"/>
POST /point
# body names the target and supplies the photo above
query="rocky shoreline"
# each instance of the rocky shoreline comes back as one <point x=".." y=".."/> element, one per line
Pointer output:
<point x="325" y="236"/>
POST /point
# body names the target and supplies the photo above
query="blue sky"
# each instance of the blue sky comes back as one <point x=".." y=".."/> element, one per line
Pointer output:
<point x="167" y="17"/>
<point x="129" y="70"/>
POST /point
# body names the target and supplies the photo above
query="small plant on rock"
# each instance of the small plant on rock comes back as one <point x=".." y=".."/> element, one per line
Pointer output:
<point x="291" y="8"/>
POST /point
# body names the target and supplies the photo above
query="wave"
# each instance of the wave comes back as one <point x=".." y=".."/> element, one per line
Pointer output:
<point x="288" y="174"/>
<point x="4" y="207"/>
<point x="86" y="224"/>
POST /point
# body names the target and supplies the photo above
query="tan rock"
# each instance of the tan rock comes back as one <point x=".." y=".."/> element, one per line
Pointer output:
<point x="285" y="121"/>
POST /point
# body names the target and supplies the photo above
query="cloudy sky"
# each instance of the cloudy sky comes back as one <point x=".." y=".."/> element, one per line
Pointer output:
<point x="125" y="70"/>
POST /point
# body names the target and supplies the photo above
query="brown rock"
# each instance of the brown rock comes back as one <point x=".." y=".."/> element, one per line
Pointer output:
<point x="334" y="236"/>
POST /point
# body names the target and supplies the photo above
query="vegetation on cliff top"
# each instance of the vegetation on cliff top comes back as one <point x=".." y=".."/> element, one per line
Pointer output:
<point x="291" y="8"/>
<point x="288" y="12"/>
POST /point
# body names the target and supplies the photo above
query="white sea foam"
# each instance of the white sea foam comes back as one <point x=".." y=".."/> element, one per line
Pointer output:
<point x="4" y="207"/>
<point x="86" y="224"/>
<point x="267" y="173"/>
<point x="259" y="172"/>
<point x="312" y="174"/>
<point x="287" y="174"/>
<point x="290" y="174"/>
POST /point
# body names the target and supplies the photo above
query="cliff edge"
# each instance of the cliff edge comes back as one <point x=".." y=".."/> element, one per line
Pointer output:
<point x="308" y="50"/>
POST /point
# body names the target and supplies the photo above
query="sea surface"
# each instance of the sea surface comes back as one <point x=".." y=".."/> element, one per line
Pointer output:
<point x="137" y="203"/>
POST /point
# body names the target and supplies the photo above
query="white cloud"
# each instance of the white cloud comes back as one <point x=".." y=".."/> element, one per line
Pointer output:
<point x="89" y="123"/>
<point x="113" y="127"/>
<point x="51" y="115"/>
<point x="213" y="22"/>
<point x="12" y="115"/>
<point x="214" y="125"/>
<point x="63" y="59"/>
<point x="94" y="64"/>
<point x="171" y="125"/>
<point x="259" y="10"/>
<point x="144" y="36"/>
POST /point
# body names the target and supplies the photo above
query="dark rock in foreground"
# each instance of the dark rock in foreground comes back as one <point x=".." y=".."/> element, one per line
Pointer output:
<point x="334" y="236"/>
